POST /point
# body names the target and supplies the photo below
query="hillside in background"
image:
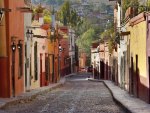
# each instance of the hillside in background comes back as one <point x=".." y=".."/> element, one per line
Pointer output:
<point x="48" y="2"/>
<point x="59" y="2"/>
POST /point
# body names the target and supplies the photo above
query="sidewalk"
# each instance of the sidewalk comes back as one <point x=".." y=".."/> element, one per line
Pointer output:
<point x="131" y="104"/>
<point x="29" y="96"/>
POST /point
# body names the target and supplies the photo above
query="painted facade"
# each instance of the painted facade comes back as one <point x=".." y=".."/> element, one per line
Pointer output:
<point x="138" y="64"/>
<point x="124" y="58"/>
<point x="95" y="59"/>
<point x="104" y="60"/>
<point x="148" y="55"/>
<point x="53" y="51"/>
<point x="27" y="77"/>
<point x="11" y="61"/>
<point x="82" y="61"/>
<point x="39" y="50"/>
<point x="64" y="51"/>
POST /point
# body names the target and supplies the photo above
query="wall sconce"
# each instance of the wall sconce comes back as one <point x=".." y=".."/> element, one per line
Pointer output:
<point x="1" y="15"/>
<point x="2" y="10"/>
<point x="13" y="47"/>
<point x="53" y="36"/>
<point x="60" y="48"/>
<point x="19" y="45"/>
<point x="29" y="34"/>
<point x="52" y="31"/>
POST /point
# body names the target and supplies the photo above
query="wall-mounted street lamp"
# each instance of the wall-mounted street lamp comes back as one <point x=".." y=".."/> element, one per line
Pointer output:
<point x="52" y="31"/>
<point x="13" y="47"/>
<point x="1" y="15"/>
<point x="29" y="34"/>
<point x="60" y="48"/>
<point x="19" y="45"/>
<point x="2" y="10"/>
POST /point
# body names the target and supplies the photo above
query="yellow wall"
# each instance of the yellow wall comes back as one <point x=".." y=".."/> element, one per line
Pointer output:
<point x="2" y="34"/>
<point x="138" y="46"/>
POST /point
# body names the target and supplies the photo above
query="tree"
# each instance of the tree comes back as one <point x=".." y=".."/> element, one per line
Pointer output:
<point x="109" y="35"/>
<point x="144" y="7"/>
<point x="85" y="41"/>
<point x="47" y="16"/>
<point x="38" y="9"/>
<point x="64" y="13"/>
<point x="125" y="5"/>
<point x="68" y="16"/>
<point x="130" y="3"/>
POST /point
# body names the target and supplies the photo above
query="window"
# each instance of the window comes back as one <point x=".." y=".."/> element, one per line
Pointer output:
<point x="20" y="71"/>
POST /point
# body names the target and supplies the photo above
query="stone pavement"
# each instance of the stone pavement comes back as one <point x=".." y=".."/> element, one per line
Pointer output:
<point x="78" y="95"/>
<point x="28" y="96"/>
<point x="130" y="103"/>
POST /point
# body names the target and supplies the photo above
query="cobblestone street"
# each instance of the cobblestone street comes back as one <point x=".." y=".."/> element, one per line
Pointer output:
<point x="78" y="95"/>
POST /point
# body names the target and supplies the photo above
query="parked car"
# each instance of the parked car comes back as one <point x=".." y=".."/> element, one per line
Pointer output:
<point x="82" y="69"/>
<point x="90" y="69"/>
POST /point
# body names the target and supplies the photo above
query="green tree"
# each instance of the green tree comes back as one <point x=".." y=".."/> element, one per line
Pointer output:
<point x="68" y="16"/>
<point x="145" y="6"/>
<point x="38" y="9"/>
<point x="64" y="13"/>
<point x="109" y="35"/>
<point x="125" y="5"/>
<point x="130" y="3"/>
<point x="47" y="16"/>
<point x="85" y="41"/>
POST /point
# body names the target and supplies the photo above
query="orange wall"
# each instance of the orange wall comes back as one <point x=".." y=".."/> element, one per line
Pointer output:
<point x="14" y="27"/>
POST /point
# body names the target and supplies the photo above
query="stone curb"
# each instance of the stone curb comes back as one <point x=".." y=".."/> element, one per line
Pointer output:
<point x="25" y="99"/>
<point x="114" y="98"/>
<point x="70" y="75"/>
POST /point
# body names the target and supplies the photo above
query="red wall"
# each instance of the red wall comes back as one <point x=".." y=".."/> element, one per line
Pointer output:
<point x="4" y="85"/>
<point x="64" y="54"/>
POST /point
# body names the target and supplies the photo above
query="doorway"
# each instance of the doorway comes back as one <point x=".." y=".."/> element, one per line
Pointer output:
<point x="51" y="71"/>
<point x="137" y="77"/>
<point x="102" y="69"/>
<point x="106" y="71"/>
<point x="149" y="76"/>
<point x="41" y="78"/>
<point x="131" y="76"/>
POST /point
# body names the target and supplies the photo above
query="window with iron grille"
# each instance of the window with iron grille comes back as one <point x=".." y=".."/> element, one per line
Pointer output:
<point x="20" y="71"/>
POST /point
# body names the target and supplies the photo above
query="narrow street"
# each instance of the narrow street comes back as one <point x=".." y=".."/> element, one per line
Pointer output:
<point x="78" y="95"/>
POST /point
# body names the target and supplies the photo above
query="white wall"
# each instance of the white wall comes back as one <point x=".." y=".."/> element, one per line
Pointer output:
<point x="71" y="46"/>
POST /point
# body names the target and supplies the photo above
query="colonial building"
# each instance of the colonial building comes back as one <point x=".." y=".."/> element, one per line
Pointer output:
<point x="27" y="41"/>
<point x="64" y="51"/>
<point x="95" y="60"/>
<point x="139" y="64"/>
<point x="12" y="49"/>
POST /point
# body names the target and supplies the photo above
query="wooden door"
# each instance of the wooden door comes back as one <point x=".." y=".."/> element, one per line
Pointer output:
<point x="41" y="78"/>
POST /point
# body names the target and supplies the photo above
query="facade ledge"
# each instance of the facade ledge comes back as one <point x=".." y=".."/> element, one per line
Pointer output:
<point x="137" y="19"/>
